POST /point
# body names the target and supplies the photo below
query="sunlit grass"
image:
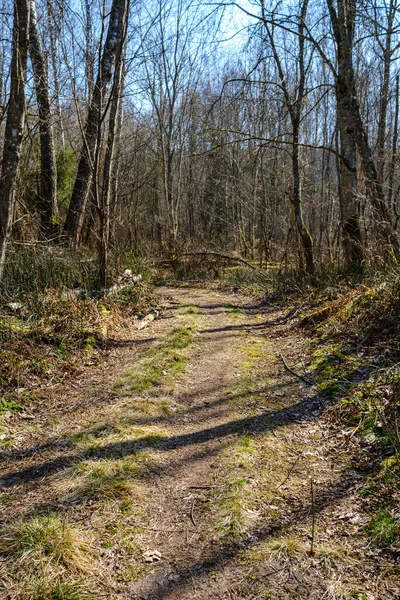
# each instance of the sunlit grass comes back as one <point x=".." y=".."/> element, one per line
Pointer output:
<point x="162" y="364"/>
<point x="46" y="540"/>
<point x="105" y="479"/>
<point x="45" y="588"/>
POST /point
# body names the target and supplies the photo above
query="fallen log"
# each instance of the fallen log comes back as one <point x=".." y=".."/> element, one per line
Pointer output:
<point x="221" y="255"/>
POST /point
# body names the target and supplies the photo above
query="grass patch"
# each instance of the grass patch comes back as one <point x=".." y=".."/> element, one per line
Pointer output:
<point x="384" y="528"/>
<point x="249" y="394"/>
<point x="229" y="504"/>
<point x="53" y="333"/>
<point x="106" y="480"/>
<point x="57" y="589"/>
<point x="233" y="311"/>
<point x="11" y="406"/>
<point x="231" y="517"/>
<point x="162" y="363"/>
<point x="188" y="309"/>
<point x="293" y="546"/>
<point x="43" y="541"/>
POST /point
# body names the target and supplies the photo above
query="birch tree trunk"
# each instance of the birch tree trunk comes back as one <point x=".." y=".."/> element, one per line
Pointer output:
<point x="14" y="124"/>
<point x="54" y="32"/>
<point x="76" y="210"/>
<point x="109" y="172"/>
<point x="48" y="169"/>
<point x="387" y="51"/>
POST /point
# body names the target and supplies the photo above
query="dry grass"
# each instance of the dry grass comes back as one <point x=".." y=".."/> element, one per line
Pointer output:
<point x="105" y="480"/>
<point x="39" y="542"/>
<point x="53" y="588"/>
<point x="295" y="547"/>
<point x="50" y="336"/>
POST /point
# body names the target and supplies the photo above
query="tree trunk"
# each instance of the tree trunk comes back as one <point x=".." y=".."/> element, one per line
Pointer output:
<point x="384" y="93"/>
<point x="14" y="124"/>
<point x="53" y="31"/>
<point x="302" y="229"/>
<point x="113" y="43"/>
<point x="343" y="26"/>
<point x="394" y="151"/>
<point x="109" y="172"/>
<point x="48" y="169"/>
<point x="294" y="103"/>
<point x="348" y="187"/>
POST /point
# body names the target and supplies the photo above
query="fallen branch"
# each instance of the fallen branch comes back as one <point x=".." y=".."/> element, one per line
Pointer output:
<point x="200" y="487"/>
<point x="225" y="256"/>
<point x="289" y="370"/>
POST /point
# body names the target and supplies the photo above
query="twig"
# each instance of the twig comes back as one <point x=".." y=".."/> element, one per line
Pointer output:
<point x="307" y="381"/>
<point x="313" y="518"/>
<point x="200" y="487"/>
<point x="192" y="515"/>
<point x="290" y="470"/>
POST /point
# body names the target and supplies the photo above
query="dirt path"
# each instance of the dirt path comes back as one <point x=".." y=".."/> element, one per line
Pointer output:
<point x="186" y="460"/>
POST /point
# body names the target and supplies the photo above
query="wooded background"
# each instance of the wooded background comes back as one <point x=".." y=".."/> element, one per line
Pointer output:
<point x="173" y="126"/>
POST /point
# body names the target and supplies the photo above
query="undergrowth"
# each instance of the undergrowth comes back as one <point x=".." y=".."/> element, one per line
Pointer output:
<point x="46" y="333"/>
<point x="354" y="329"/>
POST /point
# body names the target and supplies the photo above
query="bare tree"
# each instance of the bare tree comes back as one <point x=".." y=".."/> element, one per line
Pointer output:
<point x="48" y="170"/>
<point x="348" y="188"/>
<point x="112" y="45"/>
<point x="106" y="197"/>
<point x="294" y="102"/>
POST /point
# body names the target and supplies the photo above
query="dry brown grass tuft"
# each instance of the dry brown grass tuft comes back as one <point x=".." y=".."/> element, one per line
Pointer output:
<point x="45" y="541"/>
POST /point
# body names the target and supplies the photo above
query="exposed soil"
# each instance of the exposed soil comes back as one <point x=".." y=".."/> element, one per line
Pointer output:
<point x="235" y="414"/>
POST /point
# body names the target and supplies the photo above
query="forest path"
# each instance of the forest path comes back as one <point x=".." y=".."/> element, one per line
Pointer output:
<point x="186" y="458"/>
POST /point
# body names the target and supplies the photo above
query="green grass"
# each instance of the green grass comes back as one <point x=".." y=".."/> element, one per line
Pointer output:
<point x="161" y="364"/>
<point x="56" y="589"/>
<point x="231" y="518"/>
<point x="189" y="309"/>
<point x="232" y="309"/>
<point x="248" y="395"/>
<point x="384" y="528"/>
<point x="9" y="405"/>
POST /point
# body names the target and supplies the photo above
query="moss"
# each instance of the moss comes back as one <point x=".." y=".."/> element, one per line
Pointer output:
<point x="331" y="389"/>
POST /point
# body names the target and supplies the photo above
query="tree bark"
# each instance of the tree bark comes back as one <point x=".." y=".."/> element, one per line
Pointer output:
<point x="76" y="210"/>
<point x="48" y="170"/>
<point x="394" y="151"/>
<point x="384" y="93"/>
<point x="109" y="172"/>
<point x="348" y="187"/>
<point x="14" y="124"/>
<point x="53" y="32"/>
<point x="342" y="20"/>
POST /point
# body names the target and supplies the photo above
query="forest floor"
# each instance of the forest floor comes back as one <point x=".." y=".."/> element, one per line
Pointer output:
<point x="189" y="465"/>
